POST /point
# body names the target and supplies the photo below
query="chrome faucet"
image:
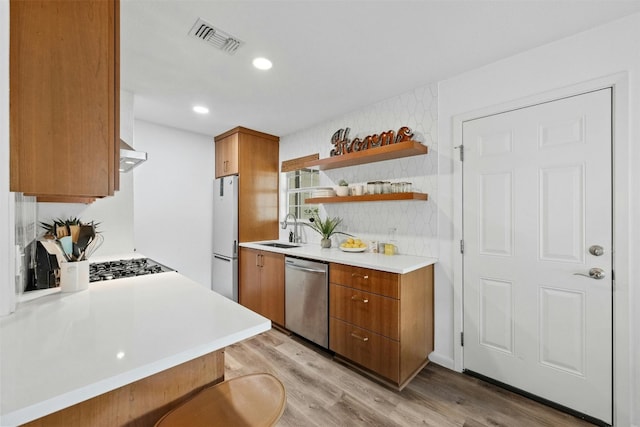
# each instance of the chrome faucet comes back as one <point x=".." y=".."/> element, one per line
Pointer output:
<point x="296" y="237"/>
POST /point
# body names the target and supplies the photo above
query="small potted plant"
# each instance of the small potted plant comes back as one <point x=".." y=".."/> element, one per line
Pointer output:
<point x="343" y="188"/>
<point x="326" y="228"/>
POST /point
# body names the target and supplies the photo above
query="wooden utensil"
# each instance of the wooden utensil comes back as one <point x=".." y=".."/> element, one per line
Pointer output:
<point x="75" y="232"/>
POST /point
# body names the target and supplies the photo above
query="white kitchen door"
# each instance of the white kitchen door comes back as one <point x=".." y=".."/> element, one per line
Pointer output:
<point x="537" y="218"/>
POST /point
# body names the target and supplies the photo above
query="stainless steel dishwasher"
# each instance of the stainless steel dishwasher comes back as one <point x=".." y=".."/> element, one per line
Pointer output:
<point x="306" y="291"/>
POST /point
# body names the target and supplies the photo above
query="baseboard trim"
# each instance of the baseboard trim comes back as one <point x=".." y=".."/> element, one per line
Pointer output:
<point x="444" y="361"/>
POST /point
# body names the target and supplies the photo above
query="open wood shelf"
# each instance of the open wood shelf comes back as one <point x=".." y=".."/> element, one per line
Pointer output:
<point x="368" y="198"/>
<point x="378" y="154"/>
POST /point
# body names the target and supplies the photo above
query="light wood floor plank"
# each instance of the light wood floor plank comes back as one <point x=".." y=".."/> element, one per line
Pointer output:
<point x="321" y="392"/>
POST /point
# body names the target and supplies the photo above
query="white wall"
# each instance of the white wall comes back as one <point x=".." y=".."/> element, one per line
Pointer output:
<point x="173" y="204"/>
<point x="595" y="54"/>
<point x="415" y="222"/>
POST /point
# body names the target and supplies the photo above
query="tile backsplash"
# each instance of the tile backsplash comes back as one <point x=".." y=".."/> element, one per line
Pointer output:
<point x="412" y="225"/>
<point x="26" y="231"/>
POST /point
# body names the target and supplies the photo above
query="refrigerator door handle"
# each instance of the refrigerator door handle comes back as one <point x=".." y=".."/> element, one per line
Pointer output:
<point x="234" y="249"/>
<point x="222" y="258"/>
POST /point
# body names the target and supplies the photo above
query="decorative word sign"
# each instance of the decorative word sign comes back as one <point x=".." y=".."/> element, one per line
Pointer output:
<point x="344" y="145"/>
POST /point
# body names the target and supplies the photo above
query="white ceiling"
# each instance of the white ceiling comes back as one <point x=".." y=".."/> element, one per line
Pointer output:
<point x="330" y="57"/>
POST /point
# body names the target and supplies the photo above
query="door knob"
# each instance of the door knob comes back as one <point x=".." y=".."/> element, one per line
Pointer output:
<point x="596" y="250"/>
<point x="594" y="273"/>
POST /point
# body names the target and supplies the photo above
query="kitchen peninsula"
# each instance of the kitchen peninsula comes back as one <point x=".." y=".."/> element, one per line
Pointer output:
<point x="123" y="351"/>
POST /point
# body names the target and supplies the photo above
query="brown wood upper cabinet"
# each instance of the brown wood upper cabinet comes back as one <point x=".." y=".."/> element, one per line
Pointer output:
<point x="64" y="98"/>
<point x="253" y="156"/>
<point x="227" y="155"/>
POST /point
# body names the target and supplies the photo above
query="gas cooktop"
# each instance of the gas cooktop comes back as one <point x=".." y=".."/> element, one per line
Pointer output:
<point x="119" y="269"/>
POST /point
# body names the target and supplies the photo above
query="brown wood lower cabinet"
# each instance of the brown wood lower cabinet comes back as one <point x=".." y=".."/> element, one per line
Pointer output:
<point x="382" y="322"/>
<point x="372" y="351"/>
<point x="261" y="283"/>
<point x="377" y="313"/>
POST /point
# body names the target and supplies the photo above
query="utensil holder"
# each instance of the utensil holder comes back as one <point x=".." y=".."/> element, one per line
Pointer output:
<point x="74" y="276"/>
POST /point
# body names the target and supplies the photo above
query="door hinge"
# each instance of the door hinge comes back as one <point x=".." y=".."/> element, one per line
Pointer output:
<point x="461" y="339"/>
<point x="461" y="246"/>
<point x="461" y="148"/>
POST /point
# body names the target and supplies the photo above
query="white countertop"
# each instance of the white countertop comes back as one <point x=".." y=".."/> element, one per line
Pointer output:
<point x="401" y="264"/>
<point x="63" y="348"/>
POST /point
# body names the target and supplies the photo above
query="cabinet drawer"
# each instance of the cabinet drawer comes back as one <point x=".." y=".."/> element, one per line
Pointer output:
<point x="365" y="348"/>
<point x="366" y="279"/>
<point x="366" y="310"/>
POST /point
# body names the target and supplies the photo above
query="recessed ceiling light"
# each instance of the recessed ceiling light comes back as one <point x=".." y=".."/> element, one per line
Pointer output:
<point x="262" y="63"/>
<point x="200" y="109"/>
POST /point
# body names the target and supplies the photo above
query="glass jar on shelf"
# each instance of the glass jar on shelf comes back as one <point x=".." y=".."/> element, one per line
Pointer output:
<point x="371" y="187"/>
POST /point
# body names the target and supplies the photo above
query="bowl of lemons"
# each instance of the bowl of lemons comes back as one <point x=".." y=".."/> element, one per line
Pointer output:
<point x="353" y="245"/>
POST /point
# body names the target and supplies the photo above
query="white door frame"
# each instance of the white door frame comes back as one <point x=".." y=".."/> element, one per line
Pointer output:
<point x="621" y="224"/>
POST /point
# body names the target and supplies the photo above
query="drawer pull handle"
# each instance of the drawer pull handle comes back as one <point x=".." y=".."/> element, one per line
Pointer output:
<point x="364" y="276"/>
<point x="363" y="339"/>
<point x="357" y="298"/>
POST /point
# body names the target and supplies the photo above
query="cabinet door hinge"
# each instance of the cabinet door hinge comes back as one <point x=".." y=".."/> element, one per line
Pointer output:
<point x="461" y="339"/>
<point x="461" y="246"/>
<point x="461" y="148"/>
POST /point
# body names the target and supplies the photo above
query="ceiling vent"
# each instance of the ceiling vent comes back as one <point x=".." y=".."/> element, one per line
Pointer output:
<point x="214" y="36"/>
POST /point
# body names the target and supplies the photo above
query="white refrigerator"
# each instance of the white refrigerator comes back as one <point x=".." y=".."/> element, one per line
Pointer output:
<point x="224" y="271"/>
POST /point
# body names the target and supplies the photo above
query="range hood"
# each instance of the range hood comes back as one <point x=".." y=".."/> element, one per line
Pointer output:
<point x="130" y="158"/>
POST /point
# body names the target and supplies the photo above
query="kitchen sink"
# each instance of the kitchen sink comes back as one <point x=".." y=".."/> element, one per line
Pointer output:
<point x="279" y="245"/>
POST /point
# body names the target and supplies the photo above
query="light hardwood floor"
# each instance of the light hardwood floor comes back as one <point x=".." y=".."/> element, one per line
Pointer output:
<point x="321" y="392"/>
